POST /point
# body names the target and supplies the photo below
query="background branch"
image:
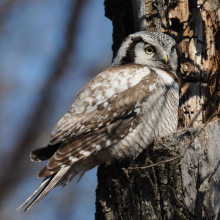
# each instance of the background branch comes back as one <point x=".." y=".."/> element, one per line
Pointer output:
<point x="43" y="107"/>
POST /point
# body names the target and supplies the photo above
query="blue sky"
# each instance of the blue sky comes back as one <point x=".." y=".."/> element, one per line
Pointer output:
<point x="30" y="40"/>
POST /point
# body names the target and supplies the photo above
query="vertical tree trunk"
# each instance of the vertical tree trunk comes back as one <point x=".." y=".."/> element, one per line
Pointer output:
<point x="171" y="191"/>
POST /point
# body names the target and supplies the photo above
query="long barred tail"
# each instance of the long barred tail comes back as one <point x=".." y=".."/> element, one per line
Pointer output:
<point x="47" y="184"/>
<point x="60" y="178"/>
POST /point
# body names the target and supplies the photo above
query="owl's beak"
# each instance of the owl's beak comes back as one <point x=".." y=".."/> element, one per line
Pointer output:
<point x="166" y="59"/>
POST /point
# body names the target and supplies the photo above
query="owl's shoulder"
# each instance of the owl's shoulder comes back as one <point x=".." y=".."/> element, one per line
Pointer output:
<point x="117" y="78"/>
<point x="168" y="77"/>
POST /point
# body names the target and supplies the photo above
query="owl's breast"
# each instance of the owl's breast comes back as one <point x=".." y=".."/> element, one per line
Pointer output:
<point x="159" y="117"/>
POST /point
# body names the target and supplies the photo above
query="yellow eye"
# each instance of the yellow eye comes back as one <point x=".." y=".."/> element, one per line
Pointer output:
<point x="149" y="50"/>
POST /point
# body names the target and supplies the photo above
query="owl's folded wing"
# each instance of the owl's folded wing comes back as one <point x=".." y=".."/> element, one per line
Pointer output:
<point x="114" y="94"/>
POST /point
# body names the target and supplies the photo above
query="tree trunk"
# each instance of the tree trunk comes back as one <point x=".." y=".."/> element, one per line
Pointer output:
<point x="171" y="190"/>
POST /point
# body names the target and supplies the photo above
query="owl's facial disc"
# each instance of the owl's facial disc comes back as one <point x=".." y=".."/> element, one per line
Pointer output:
<point x="152" y="54"/>
<point x="148" y="48"/>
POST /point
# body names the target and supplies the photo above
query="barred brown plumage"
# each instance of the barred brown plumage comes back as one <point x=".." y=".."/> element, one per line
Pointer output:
<point x="117" y="115"/>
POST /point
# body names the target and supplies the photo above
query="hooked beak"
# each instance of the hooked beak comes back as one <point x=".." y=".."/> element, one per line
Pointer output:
<point x="166" y="59"/>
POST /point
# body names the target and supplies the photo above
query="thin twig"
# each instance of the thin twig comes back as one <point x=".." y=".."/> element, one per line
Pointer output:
<point x="155" y="164"/>
<point x="182" y="155"/>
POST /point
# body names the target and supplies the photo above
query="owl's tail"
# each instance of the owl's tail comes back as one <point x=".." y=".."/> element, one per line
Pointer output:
<point x="45" y="187"/>
<point x="62" y="178"/>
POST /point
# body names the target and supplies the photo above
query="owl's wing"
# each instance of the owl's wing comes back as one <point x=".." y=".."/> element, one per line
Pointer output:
<point x="113" y="94"/>
<point x="108" y="122"/>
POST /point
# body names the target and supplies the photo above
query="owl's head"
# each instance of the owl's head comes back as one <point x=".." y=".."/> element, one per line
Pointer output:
<point x="148" y="48"/>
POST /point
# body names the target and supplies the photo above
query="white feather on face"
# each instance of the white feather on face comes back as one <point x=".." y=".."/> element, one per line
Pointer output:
<point x="117" y="115"/>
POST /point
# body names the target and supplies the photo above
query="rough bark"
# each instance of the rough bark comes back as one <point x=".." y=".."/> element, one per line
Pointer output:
<point x="139" y="15"/>
<point x="168" y="191"/>
<point x="172" y="191"/>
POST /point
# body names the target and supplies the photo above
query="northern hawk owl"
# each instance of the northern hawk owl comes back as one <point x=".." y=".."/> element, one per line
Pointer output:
<point x="117" y="114"/>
